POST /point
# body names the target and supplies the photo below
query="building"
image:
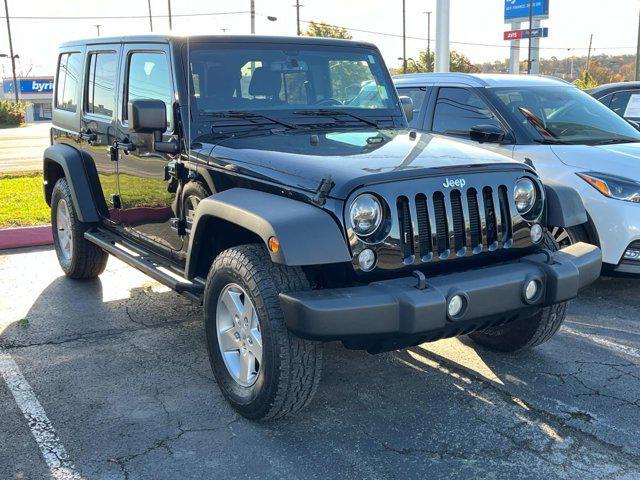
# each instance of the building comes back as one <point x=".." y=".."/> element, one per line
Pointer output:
<point x="37" y="92"/>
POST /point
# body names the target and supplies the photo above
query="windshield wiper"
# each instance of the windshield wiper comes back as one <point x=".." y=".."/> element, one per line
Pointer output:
<point x="250" y="115"/>
<point x="612" y="141"/>
<point x="551" y="141"/>
<point x="336" y="113"/>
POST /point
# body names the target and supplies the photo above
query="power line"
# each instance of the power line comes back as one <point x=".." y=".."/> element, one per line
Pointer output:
<point x="396" y="35"/>
<point x="124" y="17"/>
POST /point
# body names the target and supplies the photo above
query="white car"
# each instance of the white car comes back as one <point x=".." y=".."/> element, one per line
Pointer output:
<point x="567" y="135"/>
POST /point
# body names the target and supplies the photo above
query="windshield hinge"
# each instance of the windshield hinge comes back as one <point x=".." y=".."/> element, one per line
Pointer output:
<point x="324" y="187"/>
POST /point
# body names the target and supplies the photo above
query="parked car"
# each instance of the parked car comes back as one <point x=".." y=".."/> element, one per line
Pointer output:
<point x="623" y="98"/>
<point x="235" y="171"/>
<point x="569" y="137"/>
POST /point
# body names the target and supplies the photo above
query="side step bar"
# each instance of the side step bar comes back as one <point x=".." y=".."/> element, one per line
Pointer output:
<point x="147" y="262"/>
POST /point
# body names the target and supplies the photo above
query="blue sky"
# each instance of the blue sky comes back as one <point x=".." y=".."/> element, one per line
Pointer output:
<point x="614" y="24"/>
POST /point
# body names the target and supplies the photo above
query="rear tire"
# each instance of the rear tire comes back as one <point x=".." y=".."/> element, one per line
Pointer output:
<point x="284" y="373"/>
<point x="79" y="258"/>
<point x="529" y="332"/>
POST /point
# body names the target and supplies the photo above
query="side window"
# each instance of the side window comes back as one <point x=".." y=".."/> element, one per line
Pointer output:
<point x="459" y="109"/>
<point x="417" y="96"/>
<point x="626" y="104"/>
<point x="68" y="81"/>
<point x="101" y="82"/>
<point x="148" y="78"/>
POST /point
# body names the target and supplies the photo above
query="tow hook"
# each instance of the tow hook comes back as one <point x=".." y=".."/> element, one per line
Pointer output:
<point x="422" y="279"/>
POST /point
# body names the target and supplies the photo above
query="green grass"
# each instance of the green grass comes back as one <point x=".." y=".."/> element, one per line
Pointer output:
<point x="22" y="200"/>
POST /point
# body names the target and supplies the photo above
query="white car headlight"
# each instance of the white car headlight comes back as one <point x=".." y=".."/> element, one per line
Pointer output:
<point x="524" y="195"/>
<point x="613" y="186"/>
<point x="365" y="214"/>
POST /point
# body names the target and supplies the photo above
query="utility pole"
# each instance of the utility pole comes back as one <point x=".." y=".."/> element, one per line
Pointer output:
<point x="429" y="68"/>
<point x="13" y="58"/>
<point x="98" y="28"/>
<point x="589" y="55"/>
<point x="253" y="17"/>
<point x="530" y="27"/>
<point x="169" y="8"/>
<point x="298" y="16"/>
<point x="443" y="60"/>
<point x="638" y="52"/>
<point x="404" y="37"/>
<point x="514" y="52"/>
<point x="150" y="17"/>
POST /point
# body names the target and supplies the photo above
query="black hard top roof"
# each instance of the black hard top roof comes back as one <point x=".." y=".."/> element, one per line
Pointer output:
<point x="176" y="39"/>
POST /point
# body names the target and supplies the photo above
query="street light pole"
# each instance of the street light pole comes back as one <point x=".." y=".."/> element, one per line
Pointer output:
<point x="638" y="52"/>
<point x="404" y="37"/>
<point x="298" y="17"/>
<point x="429" y="69"/>
<point x="13" y="58"/>
<point x="150" y="17"/>
<point x="170" y="21"/>
<point x="530" y="26"/>
<point x="98" y="28"/>
<point x="253" y="17"/>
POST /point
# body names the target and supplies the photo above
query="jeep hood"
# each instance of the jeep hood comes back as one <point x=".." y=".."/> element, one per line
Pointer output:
<point x="352" y="159"/>
<point x="622" y="159"/>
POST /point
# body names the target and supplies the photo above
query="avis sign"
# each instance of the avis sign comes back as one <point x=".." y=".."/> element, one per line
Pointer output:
<point x="542" y="32"/>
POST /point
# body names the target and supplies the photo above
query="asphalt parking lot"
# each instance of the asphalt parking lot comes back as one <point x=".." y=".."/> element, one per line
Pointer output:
<point x="109" y="379"/>
<point x="21" y="147"/>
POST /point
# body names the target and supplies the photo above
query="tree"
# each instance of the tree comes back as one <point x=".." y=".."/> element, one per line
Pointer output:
<point x="321" y="29"/>
<point x="425" y="62"/>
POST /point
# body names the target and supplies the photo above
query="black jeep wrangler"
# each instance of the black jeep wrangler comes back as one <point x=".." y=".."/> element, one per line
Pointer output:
<point x="275" y="181"/>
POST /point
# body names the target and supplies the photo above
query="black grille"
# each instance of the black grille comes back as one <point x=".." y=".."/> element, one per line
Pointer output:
<point x="462" y="222"/>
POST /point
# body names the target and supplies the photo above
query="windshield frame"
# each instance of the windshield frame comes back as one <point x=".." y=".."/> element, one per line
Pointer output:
<point x="530" y="136"/>
<point x="394" y="113"/>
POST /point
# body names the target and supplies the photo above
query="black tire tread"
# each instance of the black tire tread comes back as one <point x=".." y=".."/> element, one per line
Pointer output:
<point x="88" y="260"/>
<point x="301" y="360"/>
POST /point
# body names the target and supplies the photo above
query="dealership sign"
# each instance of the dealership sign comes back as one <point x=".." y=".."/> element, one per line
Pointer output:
<point x="519" y="10"/>
<point x="542" y="32"/>
<point x="30" y="85"/>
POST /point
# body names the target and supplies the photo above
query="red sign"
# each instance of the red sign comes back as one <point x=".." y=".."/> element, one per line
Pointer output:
<point x="513" y="34"/>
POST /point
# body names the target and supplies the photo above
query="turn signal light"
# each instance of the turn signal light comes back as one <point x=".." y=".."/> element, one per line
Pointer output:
<point x="598" y="184"/>
<point x="274" y="244"/>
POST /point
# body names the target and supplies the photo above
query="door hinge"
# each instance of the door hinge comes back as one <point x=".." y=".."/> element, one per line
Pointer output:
<point x="179" y="225"/>
<point x="115" y="201"/>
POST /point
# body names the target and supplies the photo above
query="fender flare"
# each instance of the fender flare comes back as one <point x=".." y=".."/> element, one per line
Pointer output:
<point x="307" y="234"/>
<point x="72" y="163"/>
<point x="564" y="206"/>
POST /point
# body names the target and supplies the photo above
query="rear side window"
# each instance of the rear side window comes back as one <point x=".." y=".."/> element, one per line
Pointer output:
<point x="68" y="81"/>
<point x="148" y="78"/>
<point x="101" y="81"/>
<point x="459" y="109"/>
<point x="626" y="104"/>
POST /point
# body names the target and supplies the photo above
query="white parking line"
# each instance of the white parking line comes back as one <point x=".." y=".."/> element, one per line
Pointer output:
<point x="43" y="432"/>
<point x="626" y="349"/>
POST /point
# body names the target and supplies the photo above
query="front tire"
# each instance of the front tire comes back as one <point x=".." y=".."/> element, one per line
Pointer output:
<point x="78" y="258"/>
<point x="525" y="333"/>
<point x="262" y="369"/>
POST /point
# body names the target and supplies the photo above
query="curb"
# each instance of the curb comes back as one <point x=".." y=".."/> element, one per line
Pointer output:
<point x="25" y="237"/>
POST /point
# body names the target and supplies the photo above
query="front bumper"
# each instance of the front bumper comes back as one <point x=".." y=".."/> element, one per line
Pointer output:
<point x="399" y="307"/>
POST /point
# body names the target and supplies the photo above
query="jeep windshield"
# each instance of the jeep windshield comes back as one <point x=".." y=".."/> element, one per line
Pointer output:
<point x="300" y="84"/>
<point x="565" y="115"/>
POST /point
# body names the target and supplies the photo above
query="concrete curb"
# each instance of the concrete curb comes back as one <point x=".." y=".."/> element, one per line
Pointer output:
<point x="25" y="237"/>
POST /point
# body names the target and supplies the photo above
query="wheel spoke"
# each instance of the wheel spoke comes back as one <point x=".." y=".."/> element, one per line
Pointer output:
<point x="228" y="341"/>
<point x="246" y="366"/>
<point x="255" y="347"/>
<point x="233" y="303"/>
<point x="563" y="236"/>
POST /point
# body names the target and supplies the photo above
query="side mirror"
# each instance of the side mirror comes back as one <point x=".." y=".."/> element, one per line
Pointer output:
<point x="407" y="107"/>
<point x="147" y="116"/>
<point x="150" y="116"/>
<point x="486" y="134"/>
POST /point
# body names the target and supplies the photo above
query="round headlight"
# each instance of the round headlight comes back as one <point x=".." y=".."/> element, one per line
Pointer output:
<point x="365" y="215"/>
<point x="524" y="195"/>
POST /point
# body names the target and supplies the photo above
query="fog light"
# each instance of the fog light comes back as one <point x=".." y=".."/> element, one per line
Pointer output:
<point x="531" y="290"/>
<point x="536" y="233"/>
<point x="632" y="254"/>
<point x="367" y="259"/>
<point x="455" y="306"/>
